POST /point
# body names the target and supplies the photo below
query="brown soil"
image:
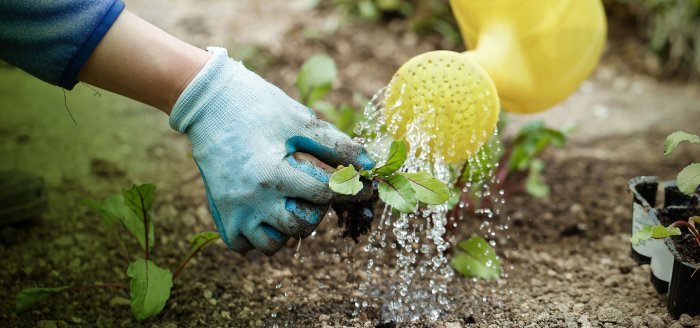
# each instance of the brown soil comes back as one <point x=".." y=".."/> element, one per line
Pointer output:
<point x="567" y="258"/>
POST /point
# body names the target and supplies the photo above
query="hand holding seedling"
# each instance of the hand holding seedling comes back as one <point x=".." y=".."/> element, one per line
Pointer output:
<point x="401" y="190"/>
<point x="244" y="133"/>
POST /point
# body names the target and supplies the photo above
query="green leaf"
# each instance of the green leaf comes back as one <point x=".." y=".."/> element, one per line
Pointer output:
<point x="150" y="288"/>
<point x="477" y="259"/>
<point x="397" y="156"/>
<point x="139" y="200"/>
<point x="455" y="197"/>
<point x="200" y="241"/>
<point x="534" y="184"/>
<point x="657" y="232"/>
<point x="347" y="119"/>
<point x="30" y="297"/>
<point x="113" y="209"/>
<point x="428" y="189"/>
<point x="315" y="78"/>
<point x="396" y="191"/>
<point x="677" y="137"/>
<point x="688" y="179"/>
<point x="484" y="161"/>
<point x="532" y="139"/>
<point x="346" y="181"/>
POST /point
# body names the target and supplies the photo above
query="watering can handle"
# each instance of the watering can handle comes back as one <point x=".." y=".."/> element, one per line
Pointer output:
<point x="537" y="52"/>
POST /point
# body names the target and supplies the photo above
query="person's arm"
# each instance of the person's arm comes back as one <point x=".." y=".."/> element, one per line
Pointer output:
<point x="246" y="133"/>
<point x="140" y="61"/>
<point x="52" y="40"/>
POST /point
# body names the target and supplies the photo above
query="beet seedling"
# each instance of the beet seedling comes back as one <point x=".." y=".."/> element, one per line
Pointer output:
<point x="687" y="180"/>
<point x="659" y="231"/>
<point x="314" y="81"/>
<point x="402" y="190"/>
<point x="150" y="284"/>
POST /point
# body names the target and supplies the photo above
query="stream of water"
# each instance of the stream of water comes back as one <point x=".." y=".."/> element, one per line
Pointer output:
<point x="407" y="264"/>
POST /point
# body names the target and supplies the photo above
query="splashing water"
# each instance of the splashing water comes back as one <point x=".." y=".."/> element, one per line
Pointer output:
<point x="417" y="282"/>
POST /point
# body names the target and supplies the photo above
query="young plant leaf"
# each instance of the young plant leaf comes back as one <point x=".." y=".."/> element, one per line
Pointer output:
<point x="397" y="156"/>
<point x="315" y="78"/>
<point x="657" y="232"/>
<point x="345" y="181"/>
<point x="455" y="197"/>
<point x="113" y="210"/>
<point x="396" y="191"/>
<point x="428" y="189"/>
<point x="688" y="178"/>
<point x="30" y="297"/>
<point x="477" y="259"/>
<point x="677" y="137"/>
<point x="150" y="288"/>
<point x="139" y="199"/>
<point x="200" y="241"/>
<point x="534" y="184"/>
<point x="532" y="139"/>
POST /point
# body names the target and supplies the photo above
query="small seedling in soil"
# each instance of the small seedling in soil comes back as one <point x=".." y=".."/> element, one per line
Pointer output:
<point x="402" y="190"/>
<point x="314" y="81"/>
<point x="659" y="232"/>
<point x="150" y="284"/>
<point x="687" y="180"/>
<point x="476" y="258"/>
<point x="517" y="168"/>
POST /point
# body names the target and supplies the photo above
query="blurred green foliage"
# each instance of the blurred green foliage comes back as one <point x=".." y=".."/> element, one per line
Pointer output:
<point x="672" y="31"/>
<point x="424" y="16"/>
<point x="314" y="81"/>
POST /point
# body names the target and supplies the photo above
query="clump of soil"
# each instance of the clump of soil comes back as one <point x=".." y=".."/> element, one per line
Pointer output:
<point x="356" y="218"/>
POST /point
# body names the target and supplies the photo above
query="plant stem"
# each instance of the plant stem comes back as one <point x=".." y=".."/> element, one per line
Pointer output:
<point x="145" y="227"/>
<point x="189" y="257"/>
<point x="125" y="251"/>
<point x="690" y="227"/>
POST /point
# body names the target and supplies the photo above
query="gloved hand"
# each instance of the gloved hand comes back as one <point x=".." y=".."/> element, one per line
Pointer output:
<point x="244" y="131"/>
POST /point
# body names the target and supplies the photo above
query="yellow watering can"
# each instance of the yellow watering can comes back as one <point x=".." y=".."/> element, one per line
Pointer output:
<point x="526" y="55"/>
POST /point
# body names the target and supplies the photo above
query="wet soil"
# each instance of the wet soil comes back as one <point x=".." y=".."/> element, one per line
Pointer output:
<point x="566" y="257"/>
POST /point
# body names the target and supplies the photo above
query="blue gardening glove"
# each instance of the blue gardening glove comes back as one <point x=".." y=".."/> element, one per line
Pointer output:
<point x="244" y="131"/>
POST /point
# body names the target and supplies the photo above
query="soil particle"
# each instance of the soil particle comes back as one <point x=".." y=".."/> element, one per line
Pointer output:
<point x="654" y="321"/>
<point x="688" y="321"/>
<point x="610" y="314"/>
<point x="675" y="325"/>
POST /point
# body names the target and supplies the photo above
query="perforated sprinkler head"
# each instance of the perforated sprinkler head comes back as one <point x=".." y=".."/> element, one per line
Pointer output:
<point x="449" y="99"/>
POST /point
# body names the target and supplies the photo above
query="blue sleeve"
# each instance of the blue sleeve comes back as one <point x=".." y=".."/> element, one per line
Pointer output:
<point x="52" y="39"/>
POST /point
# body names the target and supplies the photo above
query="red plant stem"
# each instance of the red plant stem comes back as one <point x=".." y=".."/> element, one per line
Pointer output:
<point x="145" y="228"/>
<point x="187" y="260"/>
<point x="690" y="227"/>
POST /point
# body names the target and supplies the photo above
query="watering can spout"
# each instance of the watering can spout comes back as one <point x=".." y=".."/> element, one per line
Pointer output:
<point x="537" y="52"/>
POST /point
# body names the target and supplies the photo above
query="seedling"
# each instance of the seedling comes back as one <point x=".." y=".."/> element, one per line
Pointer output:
<point x="402" y="190"/>
<point x="476" y="258"/>
<point x="150" y="284"/>
<point x="516" y="168"/>
<point x="314" y="81"/>
<point x="687" y="180"/>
